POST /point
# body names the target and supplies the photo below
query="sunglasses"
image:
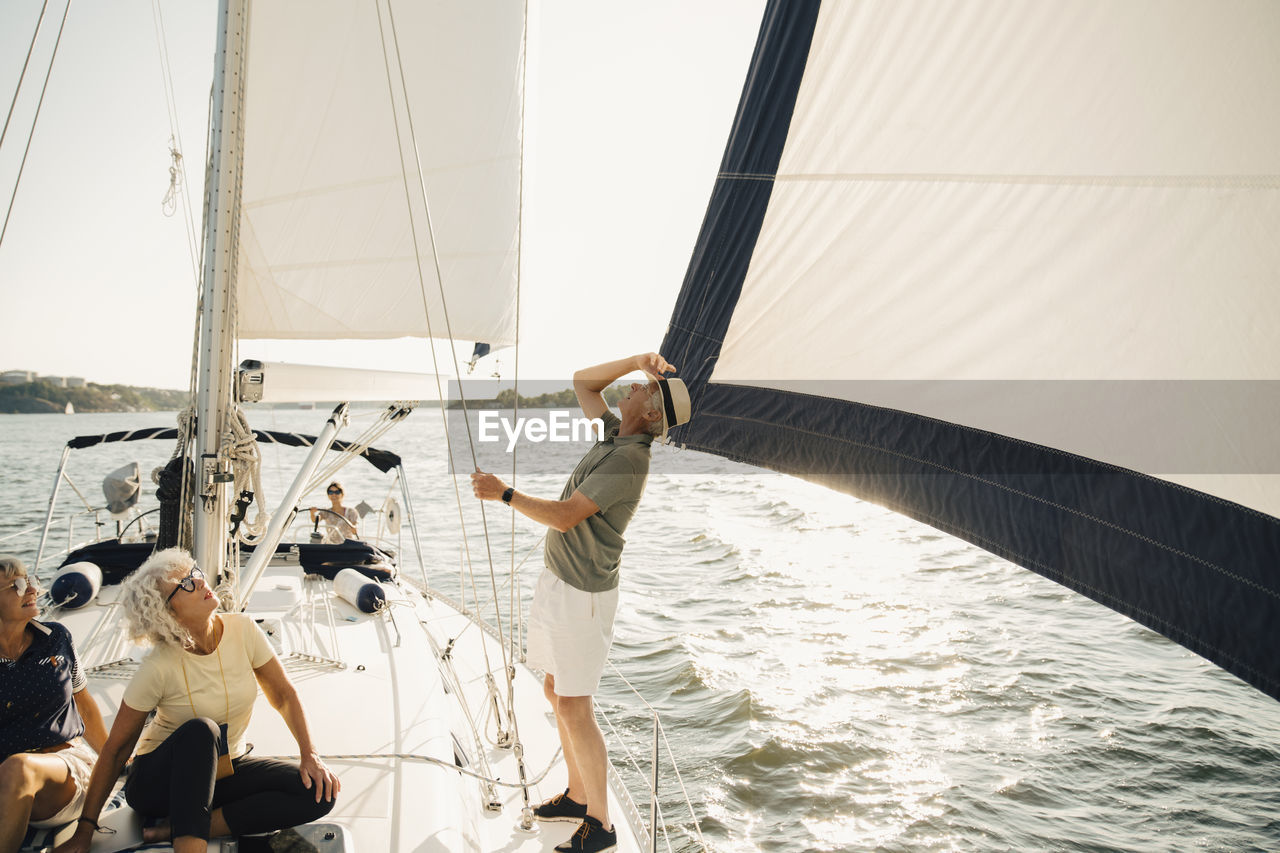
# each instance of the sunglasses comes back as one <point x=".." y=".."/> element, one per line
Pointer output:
<point x="22" y="584"/>
<point x="188" y="583"/>
<point x="334" y="492"/>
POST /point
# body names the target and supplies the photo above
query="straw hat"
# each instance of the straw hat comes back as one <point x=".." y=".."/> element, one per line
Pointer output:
<point x="676" y="407"/>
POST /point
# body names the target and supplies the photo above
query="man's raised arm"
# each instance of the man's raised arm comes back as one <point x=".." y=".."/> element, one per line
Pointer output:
<point x="590" y="382"/>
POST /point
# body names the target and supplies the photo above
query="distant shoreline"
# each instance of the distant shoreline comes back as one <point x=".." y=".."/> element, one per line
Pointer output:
<point x="41" y="397"/>
<point x="44" y="398"/>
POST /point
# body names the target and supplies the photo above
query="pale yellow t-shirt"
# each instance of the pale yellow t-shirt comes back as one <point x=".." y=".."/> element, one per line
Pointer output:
<point x="159" y="684"/>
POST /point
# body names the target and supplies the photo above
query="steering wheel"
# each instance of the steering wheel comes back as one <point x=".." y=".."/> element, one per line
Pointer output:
<point x="319" y="510"/>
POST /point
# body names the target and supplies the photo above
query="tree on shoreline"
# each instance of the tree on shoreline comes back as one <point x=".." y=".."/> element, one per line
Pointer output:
<point x="43" y="397"/>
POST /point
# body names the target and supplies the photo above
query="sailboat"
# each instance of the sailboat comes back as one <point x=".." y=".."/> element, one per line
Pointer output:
<point x="992" y="273"/>
<point x="401" y="219"/>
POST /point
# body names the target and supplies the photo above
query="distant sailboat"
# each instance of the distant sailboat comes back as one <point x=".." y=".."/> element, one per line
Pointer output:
<point x="70" y="409"/>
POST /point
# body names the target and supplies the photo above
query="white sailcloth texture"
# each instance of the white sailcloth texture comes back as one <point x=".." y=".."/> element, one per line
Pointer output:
<point x="979" y="196"/>
<point x="329" y="245"/>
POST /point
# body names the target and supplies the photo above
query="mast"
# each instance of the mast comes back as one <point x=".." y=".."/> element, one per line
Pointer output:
<point x="222" y="200"/>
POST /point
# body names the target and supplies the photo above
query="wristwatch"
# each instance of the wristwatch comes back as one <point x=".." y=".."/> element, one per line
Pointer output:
<point x="506" y="496"/>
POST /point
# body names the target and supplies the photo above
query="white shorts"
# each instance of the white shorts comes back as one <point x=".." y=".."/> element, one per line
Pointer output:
<point x="79" y="758"/>
<point x="570" y="632"/>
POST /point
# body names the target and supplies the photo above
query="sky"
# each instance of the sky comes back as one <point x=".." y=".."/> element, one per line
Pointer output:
<point x="628" y="105"/>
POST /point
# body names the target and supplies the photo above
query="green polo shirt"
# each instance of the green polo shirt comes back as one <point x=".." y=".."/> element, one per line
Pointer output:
<point x="612" y="474"/>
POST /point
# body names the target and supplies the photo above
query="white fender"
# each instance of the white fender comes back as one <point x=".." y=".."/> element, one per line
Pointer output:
<point x="357" y="589"/>
<point x="75" y="585"/>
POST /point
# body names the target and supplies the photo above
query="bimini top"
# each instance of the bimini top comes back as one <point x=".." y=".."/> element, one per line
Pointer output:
<point x="383" y="460"/>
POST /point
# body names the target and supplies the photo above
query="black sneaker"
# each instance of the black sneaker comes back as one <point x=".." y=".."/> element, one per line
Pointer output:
<point x="560" y="809"/>
<point x="591" y="837"/>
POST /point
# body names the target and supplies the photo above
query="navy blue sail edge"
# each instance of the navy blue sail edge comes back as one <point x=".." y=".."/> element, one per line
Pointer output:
<point x="1200" y="570"/>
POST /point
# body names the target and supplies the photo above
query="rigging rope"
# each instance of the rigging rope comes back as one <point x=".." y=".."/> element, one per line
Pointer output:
<point x="427" y="759"/>
<point x="508" y="670"/>
<point x="515" y="575"/>
<point x="35" y="118"/>
<point x="169" y="204"/>
<point x="240" y="446"/>
<point x="177" y="169"/>
<point x="517" y="613"/>
<point x="187" y="531"/>
<point x="182" y="502"/>
<point x="187" y="535"/>
<point x="417" y="252"/>
<point x="444" y="304"/>
<point x="23" y="74"/>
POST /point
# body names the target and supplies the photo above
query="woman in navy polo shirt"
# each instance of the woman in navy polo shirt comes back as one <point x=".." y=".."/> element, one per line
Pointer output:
<point x="46" y="715"/>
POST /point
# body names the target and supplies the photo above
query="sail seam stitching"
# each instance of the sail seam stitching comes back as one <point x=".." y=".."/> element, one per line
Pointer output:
<point x="1152" y="181"/>
<point x="696" y="333"/>
<point x="1141" y="537"/>
<point x="339" y="263"/>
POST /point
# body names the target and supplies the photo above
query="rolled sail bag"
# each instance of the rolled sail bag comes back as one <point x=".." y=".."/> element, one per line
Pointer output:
<point x="75" y="585"/>
<point x="365" y="595"/>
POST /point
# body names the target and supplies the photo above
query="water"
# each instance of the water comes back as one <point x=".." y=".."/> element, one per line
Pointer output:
<point x="832" y="676"/>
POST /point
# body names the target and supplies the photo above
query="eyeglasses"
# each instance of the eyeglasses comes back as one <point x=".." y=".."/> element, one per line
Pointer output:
<point x="188" y="583"/>
<point x="334" y="492"/>
<point x="21" y="584"/>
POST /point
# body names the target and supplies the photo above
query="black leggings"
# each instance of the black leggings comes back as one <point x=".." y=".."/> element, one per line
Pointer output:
<point x="177" y="779"/>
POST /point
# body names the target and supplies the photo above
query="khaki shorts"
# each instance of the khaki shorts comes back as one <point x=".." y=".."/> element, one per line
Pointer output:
<point x="570" y="632"/>
<point x="79" y="758"/>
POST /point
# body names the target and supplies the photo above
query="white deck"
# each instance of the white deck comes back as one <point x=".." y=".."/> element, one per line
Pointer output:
<point x="388" y="708"/>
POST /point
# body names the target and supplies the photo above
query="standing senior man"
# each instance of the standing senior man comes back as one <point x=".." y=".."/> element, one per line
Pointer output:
<point x="571" y="618"/>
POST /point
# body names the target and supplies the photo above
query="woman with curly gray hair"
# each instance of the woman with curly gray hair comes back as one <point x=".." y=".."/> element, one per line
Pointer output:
<point x="49" y="723"/>
<point x="201" y="679"/>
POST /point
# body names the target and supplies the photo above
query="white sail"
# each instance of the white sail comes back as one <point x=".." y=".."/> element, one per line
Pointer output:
<point x="1010" y="269"/>
<point x="1020" y="192"/>
<point x="329" y="248"/>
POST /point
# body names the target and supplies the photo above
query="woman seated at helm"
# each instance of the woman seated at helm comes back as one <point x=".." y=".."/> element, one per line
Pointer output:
<point x="339" y="521"/>
<point x="46" y="717"/>
<point x="201" y="679"/>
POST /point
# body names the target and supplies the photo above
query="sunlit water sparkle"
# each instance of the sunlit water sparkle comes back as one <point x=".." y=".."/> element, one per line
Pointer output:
<point x="833" y="676"/>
